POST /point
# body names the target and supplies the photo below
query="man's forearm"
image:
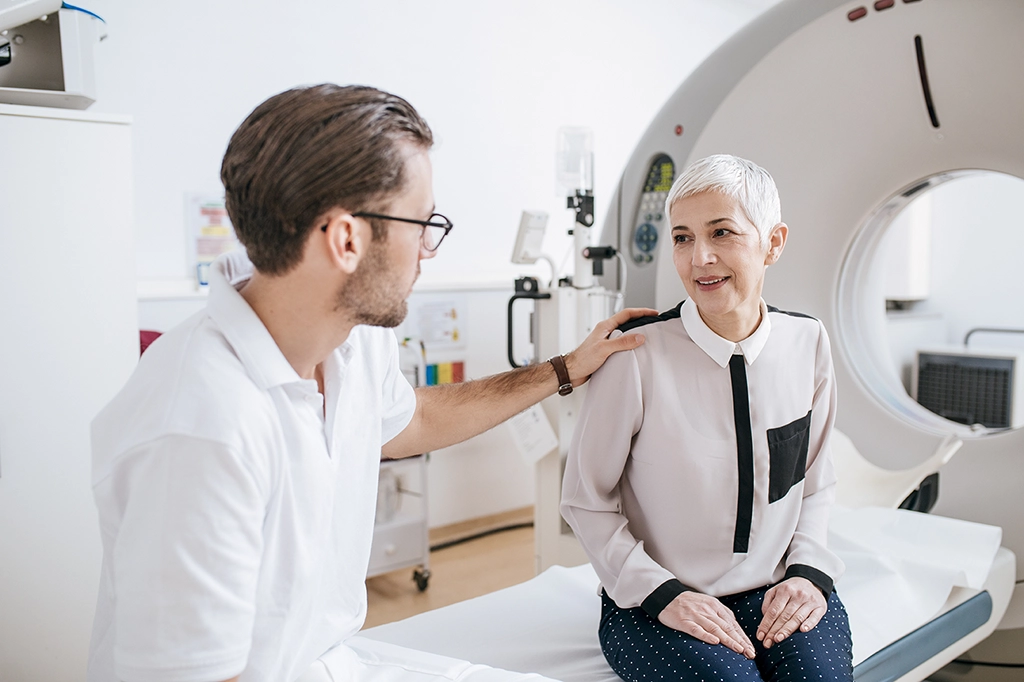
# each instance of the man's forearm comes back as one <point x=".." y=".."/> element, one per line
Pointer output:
<point x="452" y="413"/>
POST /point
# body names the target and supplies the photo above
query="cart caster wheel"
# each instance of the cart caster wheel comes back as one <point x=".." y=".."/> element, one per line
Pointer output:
<point x="422" y="578"/>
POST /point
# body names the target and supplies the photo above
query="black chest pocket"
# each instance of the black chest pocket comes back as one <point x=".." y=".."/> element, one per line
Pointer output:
<point x="787" y="450"/>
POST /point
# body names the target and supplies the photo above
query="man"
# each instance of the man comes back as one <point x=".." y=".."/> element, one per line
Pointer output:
<point x="235" y="473"/>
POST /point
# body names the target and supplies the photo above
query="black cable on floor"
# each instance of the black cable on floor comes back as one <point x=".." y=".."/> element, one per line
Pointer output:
<point x="988" y="664"/>
<point x="482" y="534"/>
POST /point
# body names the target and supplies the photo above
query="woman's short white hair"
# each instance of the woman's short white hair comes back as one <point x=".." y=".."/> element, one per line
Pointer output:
<point x="746" y="182"/>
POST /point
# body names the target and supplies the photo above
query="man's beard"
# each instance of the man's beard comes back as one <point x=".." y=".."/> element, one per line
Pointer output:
<point x="370" y="294"/>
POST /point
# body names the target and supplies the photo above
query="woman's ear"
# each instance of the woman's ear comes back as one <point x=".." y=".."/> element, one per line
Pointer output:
<point x="345" y="240"/>
<point x="776" y="243"/>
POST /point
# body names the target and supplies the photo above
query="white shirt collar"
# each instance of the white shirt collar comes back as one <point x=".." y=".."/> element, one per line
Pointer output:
<point x="720" y="349"/>
<point x="242" y="327"/>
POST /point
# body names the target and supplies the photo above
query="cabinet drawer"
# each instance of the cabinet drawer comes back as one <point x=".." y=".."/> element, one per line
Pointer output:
<point x="398" y="546"/>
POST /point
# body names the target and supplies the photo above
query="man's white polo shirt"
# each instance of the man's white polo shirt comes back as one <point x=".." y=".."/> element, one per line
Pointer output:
<point x="236" y="517"/>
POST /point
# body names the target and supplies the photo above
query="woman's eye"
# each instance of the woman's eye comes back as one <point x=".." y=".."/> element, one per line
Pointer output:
<point x="721" y="232"/>
<point x="680" y="238"/>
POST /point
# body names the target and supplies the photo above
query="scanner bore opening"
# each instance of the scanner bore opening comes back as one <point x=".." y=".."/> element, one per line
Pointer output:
<point x="862" y="322"/>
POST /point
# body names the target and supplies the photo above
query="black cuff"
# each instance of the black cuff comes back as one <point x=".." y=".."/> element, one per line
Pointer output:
<point x="657" y="601"/>
<point x="820" y="580"/>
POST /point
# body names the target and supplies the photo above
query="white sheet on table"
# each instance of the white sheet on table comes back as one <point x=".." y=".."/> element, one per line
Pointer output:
<point x="546" y="625"/>
<point x="901" y="567"/>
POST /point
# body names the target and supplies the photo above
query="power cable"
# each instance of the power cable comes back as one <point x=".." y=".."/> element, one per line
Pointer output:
<point x="482" y="534"/>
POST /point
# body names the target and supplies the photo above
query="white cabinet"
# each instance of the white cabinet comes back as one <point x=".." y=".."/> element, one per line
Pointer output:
<point x="907" y="252"/>
<point x="400" y="532"/>
<point x="68" y="341"/>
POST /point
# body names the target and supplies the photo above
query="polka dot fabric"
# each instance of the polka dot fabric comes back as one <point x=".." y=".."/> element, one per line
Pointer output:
<point x="641" y="649"/>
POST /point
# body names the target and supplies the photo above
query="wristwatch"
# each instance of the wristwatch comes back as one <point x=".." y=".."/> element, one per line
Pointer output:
<point x="564" y="382"/>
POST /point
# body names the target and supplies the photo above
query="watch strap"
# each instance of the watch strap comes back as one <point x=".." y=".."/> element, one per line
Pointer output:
<point x="564" y="382"/>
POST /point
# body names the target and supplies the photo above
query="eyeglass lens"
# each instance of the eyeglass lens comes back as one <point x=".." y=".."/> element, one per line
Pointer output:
<point x="432" y="236"/>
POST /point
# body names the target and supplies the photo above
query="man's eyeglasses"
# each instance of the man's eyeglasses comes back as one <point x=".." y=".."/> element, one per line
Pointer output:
<point x="435" y="228"/>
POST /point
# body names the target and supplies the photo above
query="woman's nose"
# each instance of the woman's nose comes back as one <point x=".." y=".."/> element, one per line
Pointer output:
<point x="703" y="252"/>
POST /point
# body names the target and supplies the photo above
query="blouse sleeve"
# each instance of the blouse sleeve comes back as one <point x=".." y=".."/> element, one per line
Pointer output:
<point x="808" y="555"/>
<point x="611" y="416"/>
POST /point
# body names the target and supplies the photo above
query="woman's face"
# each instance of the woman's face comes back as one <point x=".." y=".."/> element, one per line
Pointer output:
<point x="718" y="254"/>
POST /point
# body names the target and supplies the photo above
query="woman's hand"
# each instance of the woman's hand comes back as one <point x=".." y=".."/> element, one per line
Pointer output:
<point x="707" y="619"/>
<point x="794" y="603"/>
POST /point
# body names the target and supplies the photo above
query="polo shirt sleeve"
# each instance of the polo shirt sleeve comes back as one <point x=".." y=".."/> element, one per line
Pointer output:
<point x="808" y="555"/>
<point x="186" y="561"/>
<point x="611" y="415"/>
<point x="398" y="399"/>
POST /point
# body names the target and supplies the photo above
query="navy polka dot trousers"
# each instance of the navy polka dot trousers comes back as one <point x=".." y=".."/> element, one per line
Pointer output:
<point x="641" y="649"/>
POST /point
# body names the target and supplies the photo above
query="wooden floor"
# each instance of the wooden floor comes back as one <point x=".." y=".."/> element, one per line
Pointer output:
<point x="460" y="572"/>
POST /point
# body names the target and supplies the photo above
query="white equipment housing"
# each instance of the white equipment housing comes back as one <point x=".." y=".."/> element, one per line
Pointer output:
<point x="48" y="60"/>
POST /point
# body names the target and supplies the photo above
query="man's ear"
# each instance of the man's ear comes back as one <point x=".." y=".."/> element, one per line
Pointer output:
<point x="776" y="243"/>
<point x="346" y="240"/>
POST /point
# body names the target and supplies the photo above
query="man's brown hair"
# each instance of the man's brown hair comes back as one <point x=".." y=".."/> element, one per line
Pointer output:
<point x="306" y="151"/>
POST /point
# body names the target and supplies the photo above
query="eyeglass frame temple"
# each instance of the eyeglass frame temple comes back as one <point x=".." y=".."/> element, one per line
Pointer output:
<point x="447" y="224"/>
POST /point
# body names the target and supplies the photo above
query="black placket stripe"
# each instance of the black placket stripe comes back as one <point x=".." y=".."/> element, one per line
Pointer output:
<point x="744" y="454"/>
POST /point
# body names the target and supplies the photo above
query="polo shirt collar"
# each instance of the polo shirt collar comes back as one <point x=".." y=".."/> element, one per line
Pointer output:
<point x="719" y="349"/>
<point x="242" y="327"/>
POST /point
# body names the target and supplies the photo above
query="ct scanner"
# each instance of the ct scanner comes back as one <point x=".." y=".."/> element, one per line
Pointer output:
<point x="855" y="108"/>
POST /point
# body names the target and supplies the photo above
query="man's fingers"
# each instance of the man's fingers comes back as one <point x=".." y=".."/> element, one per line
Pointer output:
<point x="626" y="315"/>
<point x="626" y="342"/>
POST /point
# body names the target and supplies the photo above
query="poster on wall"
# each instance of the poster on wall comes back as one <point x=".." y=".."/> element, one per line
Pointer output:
<point x="208" y="234"/>
<point x="441" y="323"/>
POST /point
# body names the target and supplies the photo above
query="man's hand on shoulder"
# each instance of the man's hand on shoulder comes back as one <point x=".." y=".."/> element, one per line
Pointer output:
<point x="596" y="348"/>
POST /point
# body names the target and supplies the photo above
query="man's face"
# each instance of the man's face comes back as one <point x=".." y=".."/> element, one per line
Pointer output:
<point x="718" y="255"/>
<point x="377" y="291"/>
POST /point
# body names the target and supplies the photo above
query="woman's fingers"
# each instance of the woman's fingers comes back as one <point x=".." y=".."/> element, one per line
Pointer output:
<point x="783" y="622"/>
<point x="795" y="604"/>
<point x="726" y="634"/>
<point x="791" y="623"/>
<point x="813" y="619"/>
<point x="707" y="619"/>
<point x="775" y="601"/>
<point x="732" y="626"/>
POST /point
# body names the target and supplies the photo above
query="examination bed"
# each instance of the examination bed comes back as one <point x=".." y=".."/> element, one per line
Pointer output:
<point x="920" y="590"/>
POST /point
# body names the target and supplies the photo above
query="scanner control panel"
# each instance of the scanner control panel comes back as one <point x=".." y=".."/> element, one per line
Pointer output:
<point x="650" y="217"/>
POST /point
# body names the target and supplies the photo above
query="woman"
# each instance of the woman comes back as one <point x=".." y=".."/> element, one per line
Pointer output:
<point x="699" y="479"/>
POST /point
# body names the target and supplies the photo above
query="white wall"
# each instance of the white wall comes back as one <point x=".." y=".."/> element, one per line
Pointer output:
<point x="978" y="257"/>
<point x="495" y="81"/>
